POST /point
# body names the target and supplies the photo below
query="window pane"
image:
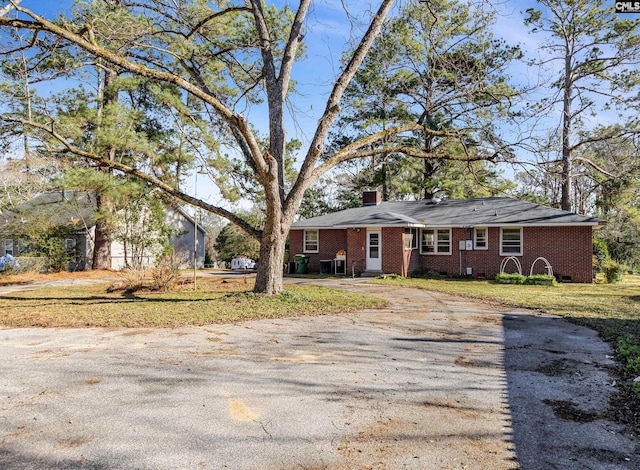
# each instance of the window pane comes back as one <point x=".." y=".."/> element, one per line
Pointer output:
<point x="511" y="240"/>
<point x="311" y="240"/>
<point x="481" y="238"/>
<point x="411" y="238"/>
<point x="374" y="244"/>
<point x="407" y="241"/>
<point x="428" y="241"/>
<point x="444" y="242"/>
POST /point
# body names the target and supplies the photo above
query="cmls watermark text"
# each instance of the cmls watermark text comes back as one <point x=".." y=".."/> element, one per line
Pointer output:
<point x="627" y="7"/>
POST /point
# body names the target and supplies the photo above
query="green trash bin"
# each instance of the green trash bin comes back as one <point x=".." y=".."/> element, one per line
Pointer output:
<point x="302" y="263"/>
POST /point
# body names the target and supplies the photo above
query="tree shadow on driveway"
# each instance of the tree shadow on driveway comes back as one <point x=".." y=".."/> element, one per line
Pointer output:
<point x="560" y="386"/>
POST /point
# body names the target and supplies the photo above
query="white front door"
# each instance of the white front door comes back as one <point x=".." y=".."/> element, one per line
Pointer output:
<point x="374" y="250"/>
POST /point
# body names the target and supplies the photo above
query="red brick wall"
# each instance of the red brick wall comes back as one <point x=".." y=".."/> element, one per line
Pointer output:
<point x="356" y="250"/>
<point x="568" y="250"/>
<point x="329" y="243"/>
<point x="393" y="250"/>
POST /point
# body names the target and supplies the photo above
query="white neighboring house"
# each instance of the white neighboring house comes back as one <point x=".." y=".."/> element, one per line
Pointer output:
<point x="182" y="242"/>
<point x="242" y="262"/>
<point x="75" y="210"/>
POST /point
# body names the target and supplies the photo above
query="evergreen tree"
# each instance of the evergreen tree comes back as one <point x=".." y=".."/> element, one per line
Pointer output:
<point x="437" y="65"/>
<point x="597" y="54"/>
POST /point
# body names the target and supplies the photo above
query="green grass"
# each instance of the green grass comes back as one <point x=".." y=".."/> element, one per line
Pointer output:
<point x="93" y="306"/>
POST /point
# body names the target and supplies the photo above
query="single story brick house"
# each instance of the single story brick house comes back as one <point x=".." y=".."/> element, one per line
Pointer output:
<point x="449" y="237"/>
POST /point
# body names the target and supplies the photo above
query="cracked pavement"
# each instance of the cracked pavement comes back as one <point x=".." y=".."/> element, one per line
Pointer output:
<point x="431" y="381"/>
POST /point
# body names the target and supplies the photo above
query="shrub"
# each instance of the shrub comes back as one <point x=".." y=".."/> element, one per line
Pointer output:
<point x="613" y="271"/>
<point x="544" y="279"/>
<point x="600" y="253"/>
<point x="166" y="274"/>
<point x="132" y="279"/>
<point x="537" y="279"/>
<point x="504" y="278"/>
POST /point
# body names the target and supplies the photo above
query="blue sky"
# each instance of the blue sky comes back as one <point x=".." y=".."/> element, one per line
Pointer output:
<point x="328" y="33"/>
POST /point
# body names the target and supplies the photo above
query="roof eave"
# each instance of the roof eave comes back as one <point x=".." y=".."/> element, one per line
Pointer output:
<point x="597" y="225"/>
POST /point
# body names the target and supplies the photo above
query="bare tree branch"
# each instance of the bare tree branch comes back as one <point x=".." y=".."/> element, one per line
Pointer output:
<point x="12" y="4"/>
<point x="305" y="177"/>
<point x="213" y="16"/>
<point x="592" y="164"/>
<point x="145" y="71"/>
<point x="70" y="148"/>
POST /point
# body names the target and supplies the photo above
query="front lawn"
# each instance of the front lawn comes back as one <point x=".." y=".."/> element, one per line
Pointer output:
<point x="215" y="301"/>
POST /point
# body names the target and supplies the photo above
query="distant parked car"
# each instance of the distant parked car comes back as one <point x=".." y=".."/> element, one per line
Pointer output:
<point x="243" y="262"/>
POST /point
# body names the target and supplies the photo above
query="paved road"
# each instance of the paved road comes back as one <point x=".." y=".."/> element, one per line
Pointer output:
<point x="431" y="382"/>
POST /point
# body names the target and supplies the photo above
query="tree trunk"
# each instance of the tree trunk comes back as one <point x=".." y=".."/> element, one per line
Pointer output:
<point x="102" y="237"/>
<point x="271" y="264"/>
<point x="428" y="171"/>
<point x="565" y="198"/>
<point x="104" y="204"/>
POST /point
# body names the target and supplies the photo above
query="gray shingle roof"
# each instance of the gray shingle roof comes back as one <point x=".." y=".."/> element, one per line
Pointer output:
<point x="494" y="211"/>
<point x="64" y="208"/>
<point x="76" y="209"/>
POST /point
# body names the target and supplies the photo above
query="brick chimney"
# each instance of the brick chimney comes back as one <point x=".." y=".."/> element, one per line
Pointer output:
<point x="371" y="198"/>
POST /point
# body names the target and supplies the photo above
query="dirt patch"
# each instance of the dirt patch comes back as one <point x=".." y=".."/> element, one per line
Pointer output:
<point x="225" y="352"/>
<point x="137" y="332"/>
<point x="465" y="361"/>
<point x="377" y="443"/>
<point x="463" y="411"/>
<point x="28" y="277"/>
<point x="493" y="319"/>
<point x="557" y="368"/>
<point x="72" y="443"/>
<point x="570" y="412"/>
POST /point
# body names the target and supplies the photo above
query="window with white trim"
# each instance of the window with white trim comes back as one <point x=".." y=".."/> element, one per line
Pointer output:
<point x="481" y="238"/>
<point x="310" y="241"/>
<point x="410" y="238"/>
<point x="511" y="241"/>
<point x="436" y="241"/>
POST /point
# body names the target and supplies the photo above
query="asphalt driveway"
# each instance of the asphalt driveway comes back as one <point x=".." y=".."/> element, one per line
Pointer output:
<point x="431" y="382"/>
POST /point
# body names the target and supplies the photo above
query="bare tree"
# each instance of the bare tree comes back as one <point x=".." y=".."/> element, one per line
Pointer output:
<point x="598" y="55"/>
<point x="224" y="59"/>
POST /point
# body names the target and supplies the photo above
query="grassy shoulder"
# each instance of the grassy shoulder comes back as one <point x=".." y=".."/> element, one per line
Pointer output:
<point x="214" y="301"/>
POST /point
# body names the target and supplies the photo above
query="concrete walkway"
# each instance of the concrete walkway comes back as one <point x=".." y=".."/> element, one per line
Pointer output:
<point x="431" y="382"/>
